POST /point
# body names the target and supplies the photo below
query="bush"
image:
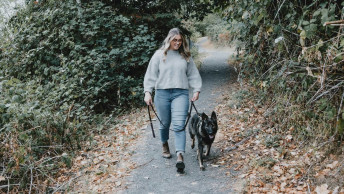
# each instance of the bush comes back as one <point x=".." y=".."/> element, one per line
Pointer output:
<point x="63" y="67"/>
<point x="85" y="54"/>
<point x="216" y="28"/>
<point x="294" y="59"/>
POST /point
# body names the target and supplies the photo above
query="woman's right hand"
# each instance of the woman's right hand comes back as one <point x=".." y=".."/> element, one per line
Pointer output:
<point x="148" y="98"/>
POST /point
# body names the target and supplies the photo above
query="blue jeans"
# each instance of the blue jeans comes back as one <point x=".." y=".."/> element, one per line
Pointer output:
<point x="172" y="106"/>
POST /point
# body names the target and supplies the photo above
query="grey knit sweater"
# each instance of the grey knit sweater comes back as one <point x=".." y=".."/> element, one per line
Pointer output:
<point x="174" y="72"/>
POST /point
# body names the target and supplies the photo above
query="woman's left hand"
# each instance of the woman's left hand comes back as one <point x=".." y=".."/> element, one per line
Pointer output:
<point x="195" y="96"/>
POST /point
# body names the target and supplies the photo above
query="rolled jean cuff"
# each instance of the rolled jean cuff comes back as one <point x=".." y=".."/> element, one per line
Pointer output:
<point x="182" y="152"/>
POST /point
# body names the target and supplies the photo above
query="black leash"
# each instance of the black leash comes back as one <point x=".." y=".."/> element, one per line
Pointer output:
<point x="187" y="120"/>
<point x="189" y="116"/>
<point x="150" y="119"/>
<point x="193" y="104"/>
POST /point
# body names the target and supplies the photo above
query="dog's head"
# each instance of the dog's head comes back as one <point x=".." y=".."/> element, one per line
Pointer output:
<point x="209" y="125"/>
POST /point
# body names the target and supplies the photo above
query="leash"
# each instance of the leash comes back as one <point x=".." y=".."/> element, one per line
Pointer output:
<point x="187" y="120"/>
<point x="189" y="116"/>
<point x="150" y="119"/>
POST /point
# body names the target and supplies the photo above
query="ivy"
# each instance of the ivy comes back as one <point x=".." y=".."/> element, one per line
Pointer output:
<point x="64" y="67"/>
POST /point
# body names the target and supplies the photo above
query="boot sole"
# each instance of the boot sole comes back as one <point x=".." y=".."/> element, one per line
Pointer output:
<point x="180" y="167"/>
<point x="170" y="156"/>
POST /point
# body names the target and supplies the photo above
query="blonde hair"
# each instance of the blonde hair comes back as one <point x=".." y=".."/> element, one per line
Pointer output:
<point x="183" y="49"/>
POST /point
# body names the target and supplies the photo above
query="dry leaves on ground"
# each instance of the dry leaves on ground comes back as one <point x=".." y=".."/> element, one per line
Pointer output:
<point x="103" y="167"/>
<point x="267" y="159"/>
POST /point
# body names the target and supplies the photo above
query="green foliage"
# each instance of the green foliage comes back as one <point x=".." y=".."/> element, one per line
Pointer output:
<point x="185" y="9"/>
<point x="32" y="132"/>
<point x="266" y="162"/>
<point x="216" y="28"/>
<point x="83" y="54"/>
<point x="295" y="60"/>
<point x="272" y="141"/>
<point x="63" y="67"/>
<point x="212" y="25"/>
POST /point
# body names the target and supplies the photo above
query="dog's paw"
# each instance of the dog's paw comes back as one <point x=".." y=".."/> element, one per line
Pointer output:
<point x="206" y="154"/>
<point x="202" y="167"/>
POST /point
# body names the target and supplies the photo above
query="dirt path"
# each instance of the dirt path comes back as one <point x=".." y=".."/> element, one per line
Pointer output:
<point x="155" y="174"/>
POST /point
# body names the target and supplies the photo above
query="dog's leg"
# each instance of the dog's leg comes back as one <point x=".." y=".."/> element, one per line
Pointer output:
<point x="207" y="152"/>
<point x="192" y="135"/>
<point x="193" y="142"/>
<point x="192" y="138"/>
<point x="200" y="156"/>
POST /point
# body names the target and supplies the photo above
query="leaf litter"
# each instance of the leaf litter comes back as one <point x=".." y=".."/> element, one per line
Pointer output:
<point x="103" y="166"/>
<point x="265" y="159"/>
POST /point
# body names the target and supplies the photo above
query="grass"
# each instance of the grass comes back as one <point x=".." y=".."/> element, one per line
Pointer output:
<point x="272" y="141"/>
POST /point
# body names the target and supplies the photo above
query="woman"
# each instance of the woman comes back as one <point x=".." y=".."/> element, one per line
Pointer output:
<point x="171" y="71"/>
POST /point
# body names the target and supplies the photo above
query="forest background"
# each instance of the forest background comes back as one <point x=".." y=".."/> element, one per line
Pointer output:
<point x="69" y="68"/>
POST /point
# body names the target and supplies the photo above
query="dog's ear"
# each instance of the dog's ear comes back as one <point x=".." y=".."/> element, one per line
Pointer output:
<point x="204" y="116"/>
<point x="213" y="116"/>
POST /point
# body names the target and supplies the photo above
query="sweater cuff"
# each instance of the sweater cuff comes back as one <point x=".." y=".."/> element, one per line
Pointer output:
<point x="196" y="90"/>
<point x="148" y="90"/>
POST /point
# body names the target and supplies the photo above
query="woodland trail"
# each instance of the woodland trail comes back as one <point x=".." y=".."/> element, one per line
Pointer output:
<point x="155" y="174"/>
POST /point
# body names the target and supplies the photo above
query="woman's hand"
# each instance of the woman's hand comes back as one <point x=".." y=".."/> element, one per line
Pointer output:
<point x="148" y="98"/>
<point x="195" y="96"/>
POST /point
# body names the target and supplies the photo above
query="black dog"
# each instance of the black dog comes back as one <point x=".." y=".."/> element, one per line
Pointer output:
<point x="204" y="128"/>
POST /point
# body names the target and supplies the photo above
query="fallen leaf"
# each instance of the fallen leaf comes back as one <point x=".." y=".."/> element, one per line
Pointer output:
<point x="2" y="178"/>
<point x="118" y="183"/>
<point x="289" y="138"/>
<point x="278" y="169"/>
<point x="291" y="129"/>
<point x="322" y="173"/>
<point x="79" y="158"/>
<point x="322" y="189"/>
<point x="283" y="186"/>
<point x="301" y="188"/>
<point x="292" y="171"/>
<point x="333" y="165"/>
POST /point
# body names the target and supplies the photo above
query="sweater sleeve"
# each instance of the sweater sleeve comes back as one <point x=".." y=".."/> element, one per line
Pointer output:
<point x="152" y="73"/>
<point x="194" y="78"/>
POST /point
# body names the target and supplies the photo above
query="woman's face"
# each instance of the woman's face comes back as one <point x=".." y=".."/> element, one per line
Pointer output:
<point x="176" y="42"/>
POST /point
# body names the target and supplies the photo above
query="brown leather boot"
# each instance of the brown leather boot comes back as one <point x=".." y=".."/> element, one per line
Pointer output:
<point x="180" y="163"/>
<point x="166" y="150"/>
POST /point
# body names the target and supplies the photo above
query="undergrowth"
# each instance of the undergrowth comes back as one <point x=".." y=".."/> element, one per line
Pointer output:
<point x="67" y="71"/>
<point x="294" y="61"/>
